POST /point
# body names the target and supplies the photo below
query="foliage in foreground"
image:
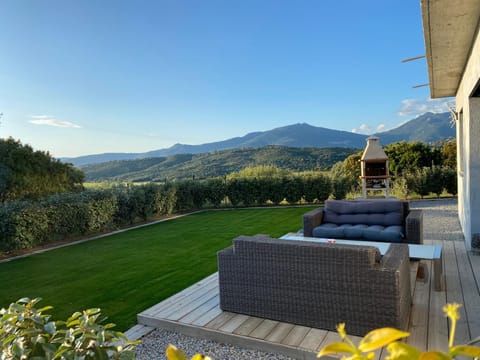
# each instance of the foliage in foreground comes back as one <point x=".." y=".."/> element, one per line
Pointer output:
<point x="397" y="350"/>
<point x="28" y="333"/>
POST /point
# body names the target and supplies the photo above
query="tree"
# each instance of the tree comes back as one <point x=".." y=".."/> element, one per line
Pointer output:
<point x="449" y="154"/>
<point x="407" y="157"/>
<point x="29" y="174"/>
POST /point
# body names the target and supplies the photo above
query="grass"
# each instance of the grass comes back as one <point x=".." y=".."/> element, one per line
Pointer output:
<point x="126" y="273"/>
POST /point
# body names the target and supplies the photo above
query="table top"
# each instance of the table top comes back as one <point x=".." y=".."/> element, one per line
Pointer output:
<point x="417" y="251"/>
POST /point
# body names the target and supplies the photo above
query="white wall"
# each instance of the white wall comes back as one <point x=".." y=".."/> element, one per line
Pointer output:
<point x="468" y="146"/>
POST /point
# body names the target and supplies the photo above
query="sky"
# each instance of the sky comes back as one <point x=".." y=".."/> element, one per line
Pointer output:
<point x="84" y="77"/>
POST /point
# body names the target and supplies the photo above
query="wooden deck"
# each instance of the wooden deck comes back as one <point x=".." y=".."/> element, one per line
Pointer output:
<point x="195" y="311"/>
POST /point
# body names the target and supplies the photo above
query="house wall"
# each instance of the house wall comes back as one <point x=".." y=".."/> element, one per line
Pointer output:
<point x="468" y="135"/>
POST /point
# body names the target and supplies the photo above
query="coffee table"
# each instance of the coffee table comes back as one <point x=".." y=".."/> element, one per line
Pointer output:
<point x="426" y="252"/>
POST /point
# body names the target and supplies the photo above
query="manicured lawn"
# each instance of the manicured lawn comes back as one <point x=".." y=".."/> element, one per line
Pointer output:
<point x="126" y="273"/>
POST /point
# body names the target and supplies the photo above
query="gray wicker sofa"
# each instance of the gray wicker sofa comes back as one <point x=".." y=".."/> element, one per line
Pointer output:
<point x="315" y="284"/>
<point x="369" y="220"/>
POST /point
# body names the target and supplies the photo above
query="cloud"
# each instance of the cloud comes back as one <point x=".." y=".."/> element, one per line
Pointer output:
<point x="369" y="129"/>
<point x="51" y="121"/>
<point x="413" y="107"/>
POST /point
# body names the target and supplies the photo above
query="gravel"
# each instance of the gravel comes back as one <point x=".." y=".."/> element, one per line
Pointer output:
<point x="154" y="344"/>
<point x="440" y="223"/>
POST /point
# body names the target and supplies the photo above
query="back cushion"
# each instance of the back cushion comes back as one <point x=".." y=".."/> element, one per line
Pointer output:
<point x="381" y="212"/>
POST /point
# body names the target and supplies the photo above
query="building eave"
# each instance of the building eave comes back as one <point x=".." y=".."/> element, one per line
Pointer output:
<point x="449" y="27"/>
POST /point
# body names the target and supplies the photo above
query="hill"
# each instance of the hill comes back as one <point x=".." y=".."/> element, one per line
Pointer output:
<point x="219" y="163"/>
<point x="428" y="127"/>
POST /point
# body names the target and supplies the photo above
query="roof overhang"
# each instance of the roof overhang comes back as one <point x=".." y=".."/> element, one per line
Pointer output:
<point x="449" y="28"/>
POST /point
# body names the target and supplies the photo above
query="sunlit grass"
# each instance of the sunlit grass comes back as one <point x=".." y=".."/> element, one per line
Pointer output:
<point x="126" y="273"/>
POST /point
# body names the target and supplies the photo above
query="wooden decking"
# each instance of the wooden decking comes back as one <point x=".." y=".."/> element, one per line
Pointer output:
<point x="195" y="311"/>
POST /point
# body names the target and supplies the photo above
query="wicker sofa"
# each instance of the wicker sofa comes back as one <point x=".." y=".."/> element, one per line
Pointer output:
<point x="315" y="284"/>
<point x="369" y="220"/>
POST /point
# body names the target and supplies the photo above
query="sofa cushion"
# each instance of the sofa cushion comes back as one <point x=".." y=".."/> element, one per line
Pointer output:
<point x="392" y="234"/>
<point x="385" y="213"/>
<point x="381" y="233"/>
<point x="355" y="231"/>
<point x="329" y="231"/>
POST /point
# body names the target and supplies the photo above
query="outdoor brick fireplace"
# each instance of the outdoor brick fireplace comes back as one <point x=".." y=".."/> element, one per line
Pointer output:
<point x="374" y="166"/>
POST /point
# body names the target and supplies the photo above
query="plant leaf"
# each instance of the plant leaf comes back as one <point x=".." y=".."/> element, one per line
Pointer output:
<point x="402" y="351"/>
<point x="434" y="355"/>
<point x="467" y="350"/>
<point x="378" y="338"/>
<point x="175" y="354"/>
<point x="335" y="348"/>
<point x="200" y="357"/>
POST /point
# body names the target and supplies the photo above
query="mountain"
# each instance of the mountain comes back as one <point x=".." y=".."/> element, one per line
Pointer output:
<point x="217" y="163"/>
<point x="427" y="128"/>
<point x="298" y="135"/>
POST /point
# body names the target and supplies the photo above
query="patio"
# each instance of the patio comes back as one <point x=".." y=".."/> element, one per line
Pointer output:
<point x="195" y="310"/>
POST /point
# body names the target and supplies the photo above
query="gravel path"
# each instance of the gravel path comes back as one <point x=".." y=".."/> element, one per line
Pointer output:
<point x="440" y="222"/>
<point x="153" y="346"/>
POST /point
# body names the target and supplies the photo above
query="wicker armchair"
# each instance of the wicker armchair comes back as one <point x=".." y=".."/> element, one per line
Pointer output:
<point x="316" y="285"/>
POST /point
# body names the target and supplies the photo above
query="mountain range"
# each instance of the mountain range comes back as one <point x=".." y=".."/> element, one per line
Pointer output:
<point x="428" y="127"/>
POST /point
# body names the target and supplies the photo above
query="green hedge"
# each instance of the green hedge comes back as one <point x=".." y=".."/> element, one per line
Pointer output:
<point x="27" y="224"/>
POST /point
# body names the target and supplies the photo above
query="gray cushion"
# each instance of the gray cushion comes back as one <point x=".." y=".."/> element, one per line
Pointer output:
<point x="392" y="234"/>
<point x="386" y="234"/>
<point x="355" y="231"/>
<point x="329" y="231"/>
<point x="385" y="213"/>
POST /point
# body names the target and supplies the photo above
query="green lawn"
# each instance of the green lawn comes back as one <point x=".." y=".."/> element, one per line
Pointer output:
<point x="126" y="273"/>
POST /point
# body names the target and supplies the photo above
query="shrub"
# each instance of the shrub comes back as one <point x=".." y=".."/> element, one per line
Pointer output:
<point x="29" y="333"/>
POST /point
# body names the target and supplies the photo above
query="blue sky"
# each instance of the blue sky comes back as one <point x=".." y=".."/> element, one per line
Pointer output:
<point x="83" y="76"/>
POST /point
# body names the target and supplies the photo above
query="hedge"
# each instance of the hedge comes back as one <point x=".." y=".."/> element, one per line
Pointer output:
<point x="25" y="224"/>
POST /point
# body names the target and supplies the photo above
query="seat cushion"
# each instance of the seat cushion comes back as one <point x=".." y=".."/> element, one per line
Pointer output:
<point x="393" y="234"/>
<point x="329" y="231"/>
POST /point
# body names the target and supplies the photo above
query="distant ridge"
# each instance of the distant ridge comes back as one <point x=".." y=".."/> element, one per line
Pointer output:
<point x="428" y="127"/>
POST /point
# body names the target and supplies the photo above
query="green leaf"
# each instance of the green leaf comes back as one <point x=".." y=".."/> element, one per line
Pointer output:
<point x="467" y="350"/>
<point x="402" y="351"/>
<point x="92" y="311"/>
<point x="336" y="348"/>
<point x="378" y="338"/>
<point x="50" y="327"/>
<point x="175" y="354"/>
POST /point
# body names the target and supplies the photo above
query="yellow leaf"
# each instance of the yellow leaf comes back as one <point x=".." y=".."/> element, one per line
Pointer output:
<point x="335" y="348"/>
<point x="175" y="354"/>
<point x="451" y="310"/>
<point x="401" y="351"/>
<point x="467" y="350"/>
<point x="378" y="338"/>
<point x="434" y="355"/>
<point x="200" y="357"/>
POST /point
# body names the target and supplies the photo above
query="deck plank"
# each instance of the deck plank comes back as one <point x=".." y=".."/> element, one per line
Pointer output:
<point x="279" y="332"/>
<point x="248" y="326"/>
<point x="437" y="324"/>
<point x="200" y="310"/>
<point x="263" y="329"/>
<point x="454" y="290"/>
<point x="313" y="339"/>
<point x="296" y="336"/>
<point x="419" y="315"/>
<point x="469" y="289"/>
